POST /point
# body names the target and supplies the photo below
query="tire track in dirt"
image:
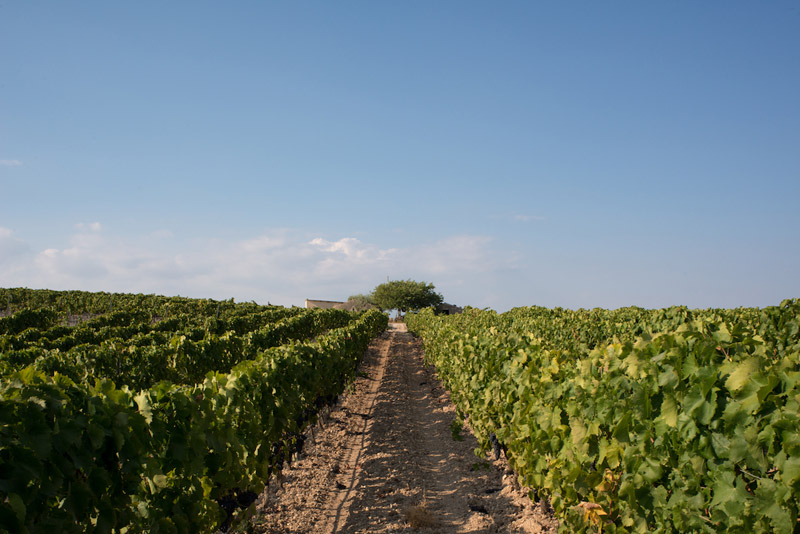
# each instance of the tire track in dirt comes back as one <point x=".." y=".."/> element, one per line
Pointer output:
<point x="353" y="454"/>
<point x="314" y="494"/>
<point x="386" y="461"/>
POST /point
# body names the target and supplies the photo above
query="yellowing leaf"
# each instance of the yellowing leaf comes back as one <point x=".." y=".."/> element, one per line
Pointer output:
<point x="592" y="512"/>
<point x="741" y="374"/>
<point x="669" y="411"/>
<point x="605" y="485"/>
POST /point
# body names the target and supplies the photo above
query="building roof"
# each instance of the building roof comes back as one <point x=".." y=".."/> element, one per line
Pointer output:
<point x="310" y="303"/>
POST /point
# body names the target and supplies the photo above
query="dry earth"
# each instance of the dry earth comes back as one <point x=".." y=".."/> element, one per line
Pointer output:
<point x="386" y="461"/>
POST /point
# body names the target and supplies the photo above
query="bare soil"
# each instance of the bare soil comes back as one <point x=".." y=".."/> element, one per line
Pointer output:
<point x="386" y="460"/>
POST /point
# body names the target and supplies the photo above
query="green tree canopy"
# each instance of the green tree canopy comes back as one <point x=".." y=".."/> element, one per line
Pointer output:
<point x="405" y="295"/>
<point x="359" y="303"/>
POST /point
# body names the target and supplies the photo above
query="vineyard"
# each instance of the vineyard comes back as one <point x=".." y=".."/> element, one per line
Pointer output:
<point x="634" y="420"/>
<point x="139" y="413"/>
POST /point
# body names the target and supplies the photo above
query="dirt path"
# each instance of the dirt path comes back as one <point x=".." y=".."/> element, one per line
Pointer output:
<point x="386" y="461"/>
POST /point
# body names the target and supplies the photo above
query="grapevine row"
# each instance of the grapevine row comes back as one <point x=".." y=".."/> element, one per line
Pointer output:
<point x="81" y="453"/>
<point x="693" y="426"/>
<point x="139" y="355"/>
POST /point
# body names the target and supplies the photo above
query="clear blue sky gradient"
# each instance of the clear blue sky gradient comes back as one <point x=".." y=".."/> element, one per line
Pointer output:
<point x="576" y="154"/>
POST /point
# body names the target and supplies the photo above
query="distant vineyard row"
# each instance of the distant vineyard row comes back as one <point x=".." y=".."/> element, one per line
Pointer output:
<point x="86" y="303"/>
<point x="157" y="415"/>
<point x="635" y="420"/>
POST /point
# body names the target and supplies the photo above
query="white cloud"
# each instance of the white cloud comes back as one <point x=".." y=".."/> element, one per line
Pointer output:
<point x="278" y="266"/>
<point x="10" y="163"/>
<point x="349" y="256"/>
<point x="92" y="227"/>
<point x="345" y="245"/>
<point x="263" y="242"/>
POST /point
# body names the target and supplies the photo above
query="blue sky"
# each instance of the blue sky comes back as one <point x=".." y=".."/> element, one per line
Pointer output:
<point x="575" y="154"/>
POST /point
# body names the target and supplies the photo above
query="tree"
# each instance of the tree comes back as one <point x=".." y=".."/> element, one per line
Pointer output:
<point x="404" y="295"/>
<point x="359" y="303"/>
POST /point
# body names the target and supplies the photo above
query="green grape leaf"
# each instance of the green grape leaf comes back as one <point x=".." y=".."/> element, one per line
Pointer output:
<point x="740" y="375"/>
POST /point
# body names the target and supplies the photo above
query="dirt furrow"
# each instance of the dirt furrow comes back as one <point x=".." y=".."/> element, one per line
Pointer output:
<point x="387" y="461"/>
